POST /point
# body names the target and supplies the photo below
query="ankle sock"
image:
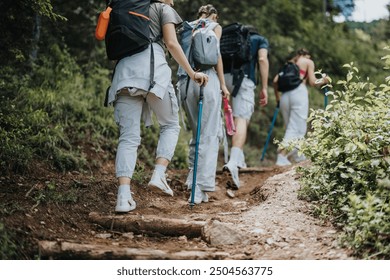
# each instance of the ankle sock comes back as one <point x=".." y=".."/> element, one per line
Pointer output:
<point x="235" y="154"/>
<point x="160" y="169"/>
<point x="124" y="190"/>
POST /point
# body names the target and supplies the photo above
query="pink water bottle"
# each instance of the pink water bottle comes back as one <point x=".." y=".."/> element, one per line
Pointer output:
<point x="230" y="127"/>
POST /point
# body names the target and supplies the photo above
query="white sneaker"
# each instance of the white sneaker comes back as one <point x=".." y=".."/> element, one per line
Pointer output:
<point x="282" y="160"/>
<point x="200" y="196"/>
<point x="232" y="169"/>
<point x="205" y="197"/>
<point x="242" y="164"/>
<point x="189" y="179"/>
<point x="124" y="203"/>
<point x="160" y="182"/>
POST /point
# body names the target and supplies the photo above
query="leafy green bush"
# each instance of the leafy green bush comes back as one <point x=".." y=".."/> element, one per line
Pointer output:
<point x="367" y="227"/>
<point x="8" y="249"/>
<point x="349" y="148"/>
<point x="180" y="158"/>
<point x="55" y="115"/>
<point x="22" y="132"/>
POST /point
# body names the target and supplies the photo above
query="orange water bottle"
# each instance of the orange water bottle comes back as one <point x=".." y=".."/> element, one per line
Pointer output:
<point x="230" y="127"/>
<point x="101" y="27"/>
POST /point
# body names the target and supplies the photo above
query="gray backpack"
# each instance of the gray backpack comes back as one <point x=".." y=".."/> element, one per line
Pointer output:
<point x="204" y="49"/>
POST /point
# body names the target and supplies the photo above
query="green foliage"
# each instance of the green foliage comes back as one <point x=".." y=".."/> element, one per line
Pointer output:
<point x="349" y="150"/>
<point x="147" y="149"/>
<point x="140" y="173"/>
<point x="23" y="134"/>
<point x="8" y="249"/>
<point x="51" y="194"/>
<point x="55" y="115"/>
<point x="19" y="21"/>
<point x="367" y="229"/>
<point x="180" y="158"/>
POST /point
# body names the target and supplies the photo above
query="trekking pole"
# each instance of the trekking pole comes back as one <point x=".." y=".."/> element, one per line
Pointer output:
<point x="325" y="97"/>
<point x="319" y="81"/>
<point x="270" y="131"/>
<point x="200" y="107"/>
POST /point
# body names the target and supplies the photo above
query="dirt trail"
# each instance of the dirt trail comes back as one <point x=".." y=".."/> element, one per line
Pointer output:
<point x="264" y="220"/>
<point x="284" y="227"/>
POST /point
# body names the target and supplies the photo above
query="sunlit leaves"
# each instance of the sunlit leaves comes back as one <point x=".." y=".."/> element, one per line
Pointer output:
<point x="349" y="175"/>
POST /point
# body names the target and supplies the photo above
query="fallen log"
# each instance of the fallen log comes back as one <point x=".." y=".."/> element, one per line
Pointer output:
<point x="71" y="250"/>
<point x="150" y="225"/>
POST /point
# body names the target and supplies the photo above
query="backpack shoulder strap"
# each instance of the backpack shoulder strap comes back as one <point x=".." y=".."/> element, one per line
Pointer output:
<point x="212" y="25"/>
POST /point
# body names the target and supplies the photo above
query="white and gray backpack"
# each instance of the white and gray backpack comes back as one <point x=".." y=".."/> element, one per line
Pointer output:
<point x="204" y="49"/>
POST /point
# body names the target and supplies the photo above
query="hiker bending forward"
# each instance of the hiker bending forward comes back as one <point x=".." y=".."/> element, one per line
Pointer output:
<point x="131" y="99"/>
<point x="294" y="104"/>
<point x="211" y="121"/>
<point x="244" y="101"/>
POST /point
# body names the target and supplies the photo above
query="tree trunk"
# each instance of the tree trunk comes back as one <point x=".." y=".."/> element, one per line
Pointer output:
<point x="36" y="37"/>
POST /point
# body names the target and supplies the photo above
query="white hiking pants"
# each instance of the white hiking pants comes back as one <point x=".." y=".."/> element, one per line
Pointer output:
<point x="128" y="110"/>
<point x="294" y="105"/>
<point x="211" y="128"/>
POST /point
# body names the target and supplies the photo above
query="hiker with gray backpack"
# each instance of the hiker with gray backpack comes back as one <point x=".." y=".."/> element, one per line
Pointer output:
<point x="244" y="51"/>
<point x="200" y="42"/>
<point x="291" y="81"/>
<point x="141" y="84"/>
